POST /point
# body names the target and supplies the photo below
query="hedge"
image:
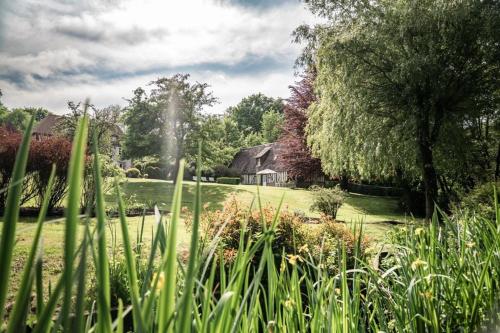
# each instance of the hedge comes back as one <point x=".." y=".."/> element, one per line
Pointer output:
<point x="133" y="173"/>
<point x="228" y="180"/>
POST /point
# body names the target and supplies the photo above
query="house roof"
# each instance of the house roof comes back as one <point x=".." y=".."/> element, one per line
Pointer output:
<point x="263" y="152"/>
<point x="46" y="125"/>
<point x="245" y="161"/>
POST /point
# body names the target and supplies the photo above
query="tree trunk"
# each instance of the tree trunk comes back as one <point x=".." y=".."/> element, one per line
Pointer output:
<point x="429" y="177"/>
<point x="344" y="181"/>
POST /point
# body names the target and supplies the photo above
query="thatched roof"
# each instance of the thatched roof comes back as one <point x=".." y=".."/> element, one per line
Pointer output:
<point x="246" y="159"/>
<point x="47" y="125"/>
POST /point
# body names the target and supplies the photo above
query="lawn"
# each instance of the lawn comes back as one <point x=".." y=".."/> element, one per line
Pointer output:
<point x="53" y="235"/>
<point x="377" y="213"/>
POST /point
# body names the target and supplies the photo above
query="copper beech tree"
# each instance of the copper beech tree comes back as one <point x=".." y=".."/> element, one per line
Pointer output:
<point x="296" y="155"/>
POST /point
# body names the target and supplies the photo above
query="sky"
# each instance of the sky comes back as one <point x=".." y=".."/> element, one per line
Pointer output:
<point x="55" y="51"/>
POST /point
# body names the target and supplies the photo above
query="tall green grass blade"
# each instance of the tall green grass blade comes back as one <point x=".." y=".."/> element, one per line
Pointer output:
<point x="39" y="283"/>
<point x="75" y="175"/>
<point x="22" y="299"/>
<point x="167" y="296"/>
<point x="131" y="268"/>
<point x="81" y="286"/>
<point x="45" y="320"/>
<point x="185" y="310"/>
<point x="103" y="296"/>
<point x="12" y="214"/>
<point x="119" y="327"/>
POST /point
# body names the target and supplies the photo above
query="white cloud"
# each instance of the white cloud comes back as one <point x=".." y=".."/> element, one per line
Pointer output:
<point x="106" y="49"/>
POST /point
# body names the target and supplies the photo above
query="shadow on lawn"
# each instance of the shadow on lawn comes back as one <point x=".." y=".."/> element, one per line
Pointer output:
<point x="373" y="205"/>
<point x="151" y="192"/>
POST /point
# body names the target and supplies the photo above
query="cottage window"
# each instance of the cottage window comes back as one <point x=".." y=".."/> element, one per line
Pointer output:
<point x="258" y="162"/>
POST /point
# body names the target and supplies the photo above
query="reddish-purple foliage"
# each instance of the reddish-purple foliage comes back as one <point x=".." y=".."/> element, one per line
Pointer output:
<point x="42" y="155"/>
<point x="9" y="144"/>
<point x="296" y="155"/>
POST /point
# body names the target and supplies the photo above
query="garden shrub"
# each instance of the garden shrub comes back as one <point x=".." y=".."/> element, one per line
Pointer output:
<point x="154" y="172"/>
<point x="327" y="200"/>
<point x="289" y="232"/>
<point x="109" y="172"/>
<point x="480" y="200"/>
<point x="224" y="171"/>
<point x="147" y="161"/>
<point x="43" y="154"/>
<point x="133" y="173"/>
<point x="292" y="237"/>
<point x="229" y="180"/>
<point x="9" y="144"/>
<point x="329" y="238"/>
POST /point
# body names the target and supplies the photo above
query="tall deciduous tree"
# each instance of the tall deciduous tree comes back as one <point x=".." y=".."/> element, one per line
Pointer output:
<point x="103" y="124"/>
<point x="296" y="155"/>
<point x="394" y="75"/>
<point x="249" y="112"/>
<point x="168" y="121"/>
<point x="145" y="128"/>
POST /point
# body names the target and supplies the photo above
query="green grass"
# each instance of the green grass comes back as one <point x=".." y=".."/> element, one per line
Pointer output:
<point x="52" y="240"/>
<point x="378" y="213"/>
<point x="373" y="211"/>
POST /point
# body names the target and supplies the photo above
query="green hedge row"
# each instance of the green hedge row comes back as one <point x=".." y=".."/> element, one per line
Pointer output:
<point x="228" y="180"/>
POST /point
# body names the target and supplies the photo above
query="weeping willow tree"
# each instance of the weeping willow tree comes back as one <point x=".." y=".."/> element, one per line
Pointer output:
<point x="395" y="78"/>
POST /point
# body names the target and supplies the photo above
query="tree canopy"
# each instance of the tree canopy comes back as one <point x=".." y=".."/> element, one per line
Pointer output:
<point x="18" y="118"/>
<point x="103" y="124"/>
<point x="249" y="112"/>
<point x="168" y="121"/>
<point x="272" y="126"/>
<point x="396" y="79"/>
<point x="296" y="155"/>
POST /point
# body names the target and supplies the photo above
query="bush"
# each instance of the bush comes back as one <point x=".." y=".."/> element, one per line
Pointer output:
<point x="323" y="243"/>
<point x="109" y="172"/>
<point x="327" y="200"/>
<point x="43" y="154"/>
<point x="289" y="231"/>
<point x="329" y="238"/>
<point x="133" y="173"/>
<point x="228" y="180"/>
<point x="9" y="144"/>
<point x="147" y="161"/>
<point x="155" y="172"/>
<point x="224" y="171"/>
<point x="480" y="200"/>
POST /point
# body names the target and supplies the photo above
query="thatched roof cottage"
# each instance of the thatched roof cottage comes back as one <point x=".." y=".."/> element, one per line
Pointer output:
<point x="260" y="165"/>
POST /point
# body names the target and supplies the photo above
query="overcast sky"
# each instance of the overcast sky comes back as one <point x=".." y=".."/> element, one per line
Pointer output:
<point x="52" y="51"/>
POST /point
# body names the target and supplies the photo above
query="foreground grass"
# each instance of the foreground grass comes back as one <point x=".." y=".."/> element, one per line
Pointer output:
<point x="53" y="239"/>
